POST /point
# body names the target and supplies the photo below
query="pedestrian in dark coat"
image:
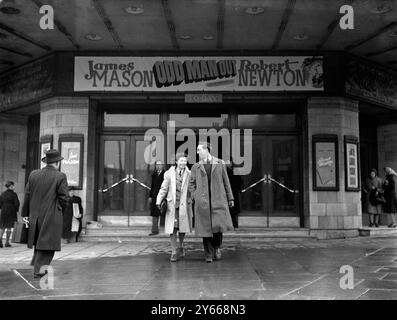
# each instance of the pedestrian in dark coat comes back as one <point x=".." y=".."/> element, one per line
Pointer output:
<point x="373" y="188"/>
<point x="212" y="194"/>
<point x="9" y="206"/>
<point x="46" y="197"/>
<point x="389" y="187"/>
<point x="72" y="221"/>
<point x="236" y="183"/>
<point x="157" y="180"/>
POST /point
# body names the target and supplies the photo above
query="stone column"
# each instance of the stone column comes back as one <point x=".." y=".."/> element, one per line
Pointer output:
<point x="69" y="115"/>
<point x="13" y="132"/>
<point x="333" y="214"/>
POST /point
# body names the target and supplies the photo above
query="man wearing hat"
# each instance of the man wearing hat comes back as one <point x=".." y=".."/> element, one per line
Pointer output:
<point x="46" y="197"/>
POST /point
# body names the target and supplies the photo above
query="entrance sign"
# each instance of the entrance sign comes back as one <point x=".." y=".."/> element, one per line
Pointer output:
<point x="203" y="98"/>
<point x="325" y="163"/>
<point x="174" y="74"/>
<point x="352" y="177"/>
<point x="71" y="147"/>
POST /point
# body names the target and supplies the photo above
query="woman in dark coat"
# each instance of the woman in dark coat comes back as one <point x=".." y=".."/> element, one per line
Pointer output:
<point x="373" y="187"/>
<point x="68" y="217"/>
<point x="389" y="187"/>
<point x="236" y="184"/>
<point x="9" y="205"/>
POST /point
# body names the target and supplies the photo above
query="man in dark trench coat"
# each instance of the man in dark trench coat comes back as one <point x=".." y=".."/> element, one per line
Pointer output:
<point x="212" y="194"/>
<point x="46" y="197"/>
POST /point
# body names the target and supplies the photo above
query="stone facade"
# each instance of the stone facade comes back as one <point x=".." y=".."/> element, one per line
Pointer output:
<point x="387" y="147"/>
<point x="13" y="133"/>
<point x="332" y="213"/>
<point x="69" y="115"/>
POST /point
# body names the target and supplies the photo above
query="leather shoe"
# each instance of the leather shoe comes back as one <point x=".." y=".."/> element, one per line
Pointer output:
<point x="181" y="252"/>
<point x="1" y="244"/>
<point x="218" y="254"/>
<point x="153" y="233"/>
<point x="7" y="245"/>
<point x="173" y="257"/>
<point x="208" y="259"/>
<point x="39" y="275"/>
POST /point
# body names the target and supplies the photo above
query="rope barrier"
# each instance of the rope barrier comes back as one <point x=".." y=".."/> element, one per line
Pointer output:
<point x="267" y="179"/>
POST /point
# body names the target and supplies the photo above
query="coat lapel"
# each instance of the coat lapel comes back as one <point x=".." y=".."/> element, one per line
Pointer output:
<point x="185" y="173"/>
<point x="201" y="166"/>
<point x="173" y="184"/>
<point x="214" y="161"/>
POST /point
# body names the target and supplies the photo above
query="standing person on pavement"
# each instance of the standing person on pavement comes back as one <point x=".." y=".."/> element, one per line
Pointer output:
<point x="389" y="187"/>
<point x="373" y="187"/>
<point x="178" y="217"/>
<point x="9" y="206"/>
<point x="46" y="197"/>
<point x="212" y="194"/>
<point x="157" y="180"/>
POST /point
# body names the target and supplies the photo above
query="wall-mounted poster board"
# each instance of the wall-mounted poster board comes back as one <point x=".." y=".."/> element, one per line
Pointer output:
<point x="325" y="163"/>
<point x="46" y="143"/>
<point x="71" y="147"/>
<point x="352" y="153"/>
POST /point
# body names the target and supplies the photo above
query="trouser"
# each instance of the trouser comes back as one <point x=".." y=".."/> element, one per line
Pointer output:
<point x="42" y="258"/>
<point x="8" y="234"/>
<point x="374" y="218"/>
<point x="212" y="243"/>
<point x="155" y="224"/>
<point x="235" y="220"/>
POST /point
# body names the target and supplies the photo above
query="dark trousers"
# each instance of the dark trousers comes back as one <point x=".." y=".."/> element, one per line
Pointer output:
<point x="155" y="224"/>
<point x="42" y="258"/>
<point x="212" y="243"/>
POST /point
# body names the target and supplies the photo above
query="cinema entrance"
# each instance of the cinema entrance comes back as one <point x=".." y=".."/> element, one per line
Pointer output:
<point x="269" y="190"/>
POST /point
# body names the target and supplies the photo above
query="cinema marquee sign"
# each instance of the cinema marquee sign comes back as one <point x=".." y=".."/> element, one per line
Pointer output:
<point x="267" y="73"/>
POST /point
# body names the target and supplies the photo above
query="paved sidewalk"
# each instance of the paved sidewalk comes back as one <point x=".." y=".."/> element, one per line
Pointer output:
<point x="305" y="269"/>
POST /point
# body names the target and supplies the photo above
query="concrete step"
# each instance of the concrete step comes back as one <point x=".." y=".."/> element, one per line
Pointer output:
<point x="244" y="234"/>
<point x="381" y="231"/>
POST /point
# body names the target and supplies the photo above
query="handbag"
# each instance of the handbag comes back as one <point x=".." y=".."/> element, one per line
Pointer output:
<point x="380" y="198"/>
<point x="163" y="206"/>
<point x="20" y="233"/>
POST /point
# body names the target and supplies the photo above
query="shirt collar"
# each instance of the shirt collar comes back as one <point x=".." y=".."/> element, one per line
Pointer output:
<point x="209" y="159"/>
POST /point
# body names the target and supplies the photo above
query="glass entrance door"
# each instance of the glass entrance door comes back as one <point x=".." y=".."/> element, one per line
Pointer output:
<point x="124" y="179"/>
<point x="276" y="198"/>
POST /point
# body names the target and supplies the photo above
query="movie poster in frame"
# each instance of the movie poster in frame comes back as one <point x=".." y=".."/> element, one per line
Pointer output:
<point x="325" y="163"/>
<point x="71" y="147"/>
<point x="352" y="163"/>
<point x="46" y="143"/>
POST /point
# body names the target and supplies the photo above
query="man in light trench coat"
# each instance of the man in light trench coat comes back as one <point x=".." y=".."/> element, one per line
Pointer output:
<point x="46" y="197"/>
<point x="212" y="194"/>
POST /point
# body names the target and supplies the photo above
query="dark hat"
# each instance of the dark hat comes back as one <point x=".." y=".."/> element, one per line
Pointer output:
<point x="52" y="156"/>
<point x="9" y="183"/>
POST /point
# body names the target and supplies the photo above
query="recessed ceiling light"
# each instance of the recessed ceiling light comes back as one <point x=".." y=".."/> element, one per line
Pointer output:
<point x="93" y="37"/>
<point x="208" y="38"/>
<point x="301" y="37"/>
<point x="185" y="37"/>
<point x="10" y="10"/>
<point x="380" y="9"/>
<point x="134" y="10"/>
<point x="254" y="10"/>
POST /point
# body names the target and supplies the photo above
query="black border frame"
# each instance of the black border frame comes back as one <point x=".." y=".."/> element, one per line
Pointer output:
<point x="332" y="138"/>
<point x="74" y="138"/>
<point x="352" y="140"/>
<point x="49" y="138"/>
